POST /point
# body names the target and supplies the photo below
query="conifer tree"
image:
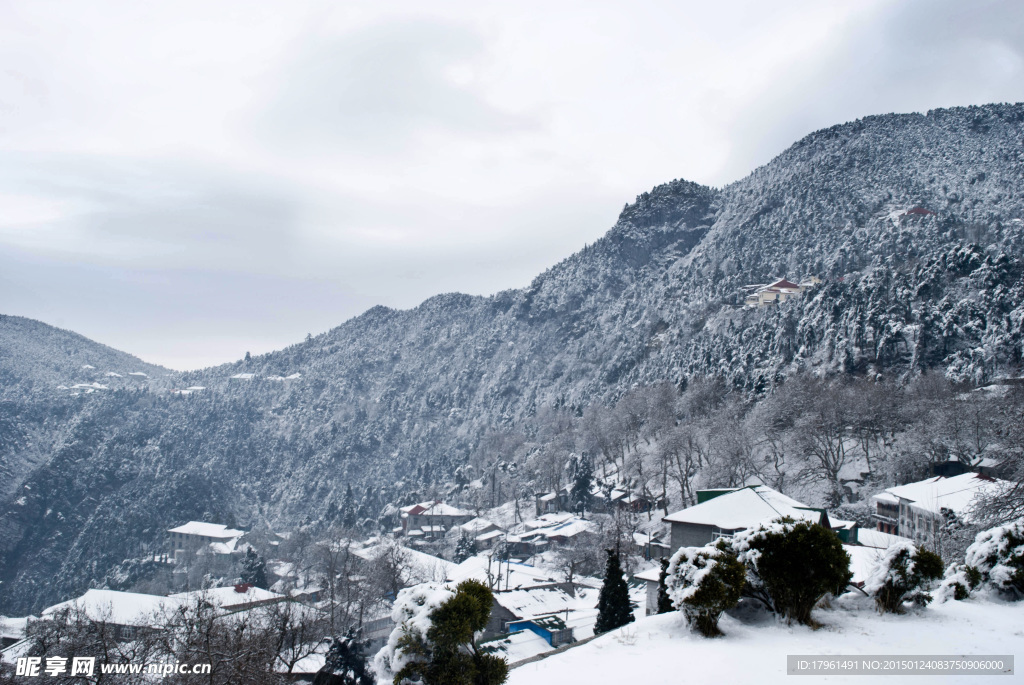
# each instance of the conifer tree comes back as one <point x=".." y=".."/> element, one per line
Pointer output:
<point x="345" y="663"/>
<point x="664" y="601"/>
<point x="448" y="653"/>
<point x="464" y="549"/>
<point x="613" y="609"/>
<point x="582" y="473"/>
<point x="254" y="569"/>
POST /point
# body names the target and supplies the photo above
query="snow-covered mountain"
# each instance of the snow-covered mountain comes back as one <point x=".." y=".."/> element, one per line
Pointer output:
<point x="914" y="223"/>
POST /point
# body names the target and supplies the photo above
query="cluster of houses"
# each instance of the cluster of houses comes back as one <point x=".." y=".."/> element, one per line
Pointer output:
<point x="915" y="512"/>
<point x="776" y="292"/>
<point x="535" y="609"/>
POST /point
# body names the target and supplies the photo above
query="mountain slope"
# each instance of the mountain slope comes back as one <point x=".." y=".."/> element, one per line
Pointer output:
<point x="913" y="221"/>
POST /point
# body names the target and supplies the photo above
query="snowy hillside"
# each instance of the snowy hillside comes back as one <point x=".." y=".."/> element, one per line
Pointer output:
<point x="662" y="649"/>
<point x="914" y="223"/>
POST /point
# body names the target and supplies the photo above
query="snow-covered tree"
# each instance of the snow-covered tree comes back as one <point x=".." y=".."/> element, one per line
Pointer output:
<point x="345" y="663"/>
<point x="464" y="549"/>
<point x="792" y="565"/>
<point x="997" y="556"/>
<point x="613" y="607"/>
<point x="703" y="582"/>
<point x="581" y="475"/>
<point x="254" y="569"/>
<point x="434" y="642"/>
<point x="902" y="575"/>
<point x="664" y="600"/>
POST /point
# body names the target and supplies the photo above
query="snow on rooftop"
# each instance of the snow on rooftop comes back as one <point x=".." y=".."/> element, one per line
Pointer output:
<point x="138" y="374"/>
<point x="113" y="374"/>
<point x="517" y="646"/>
<point x="121" y="608"/>
<point x="744" y="508"/>
<point x="536" y="601"/>
<point x="229" y="597"/>
<point x="934" y="494"/>
<point x="877" y="539"/>
<point x="513" y="575"/>
<point x="548" y="520"/>
<point x="91" y="386"/>
<point x="210" y="530"/>
<point x="476" y="525"/>
<point x="243" y="376"/>
<point x="652" y="574"/>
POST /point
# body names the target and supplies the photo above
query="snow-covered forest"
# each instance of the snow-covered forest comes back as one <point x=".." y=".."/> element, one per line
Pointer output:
<point x="636" y="351"/>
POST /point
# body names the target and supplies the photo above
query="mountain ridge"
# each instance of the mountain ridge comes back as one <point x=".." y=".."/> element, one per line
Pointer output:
<point x="395" y="401"/>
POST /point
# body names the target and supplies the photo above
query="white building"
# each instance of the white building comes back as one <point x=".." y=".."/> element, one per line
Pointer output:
<point x="196" y="535"/>
<point x="915" y="510"/>
<point x="726" y="512"/>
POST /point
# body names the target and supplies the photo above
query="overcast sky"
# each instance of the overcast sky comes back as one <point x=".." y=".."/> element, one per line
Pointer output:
<point x="188" y="181"/>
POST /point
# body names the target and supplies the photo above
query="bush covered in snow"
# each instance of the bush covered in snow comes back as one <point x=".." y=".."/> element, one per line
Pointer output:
<point x="408" y="641"/>
<point x="997" y="556"/>
<point x="434" y="642"/>
<point x="791" y="566"/>
<point x="902" y="575"/>
<point x="702" y="583"/>
<point x="957" y="582"/>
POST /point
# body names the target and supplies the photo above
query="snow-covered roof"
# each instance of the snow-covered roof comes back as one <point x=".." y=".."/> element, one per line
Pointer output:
<point x="517" y="646"/>
<point x="243" y="376"/>
<point x="652" y="574"/>
<point x="877" y="539"/>
<point x="744" y="508"/>
<point x="121" y="608"/>
<point x="513" y="575"/>
<point x="536" y="602"/>
<point x="230" y="597"/>
<point x="490" y="535"/>
<point x="432" y="508"/>
<point x="567" y="529"/>
<point x="227" y="547"/>
<point x="13" y="627"/>
<point x="956" y="493"/>
<point x="477" y="525"/>
<point x="548" y="520"/>
<point x="210" y="530"/>
<point x="138" y="374"/>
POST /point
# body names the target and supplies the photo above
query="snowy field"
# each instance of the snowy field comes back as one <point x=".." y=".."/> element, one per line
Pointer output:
<point x="661" y="649"/>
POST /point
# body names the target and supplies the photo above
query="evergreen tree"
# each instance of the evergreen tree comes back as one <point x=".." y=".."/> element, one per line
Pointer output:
<point x="448" y="654"/>
<point x="464" y="549"/>
<point x="613" y="609"/>
<point x="581" y="471"/>
<point x="345" y="663"/>
<point x="664" y="601"/>
<point x="348" y="508"/>
<point x="254" y="569"/>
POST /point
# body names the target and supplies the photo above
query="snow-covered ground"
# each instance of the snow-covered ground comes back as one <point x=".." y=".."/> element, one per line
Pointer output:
<point x="661" y="649"/>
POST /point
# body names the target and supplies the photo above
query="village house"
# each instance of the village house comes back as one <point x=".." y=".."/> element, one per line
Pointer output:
<point x="725" y="512"/>
<point x="432" y="519"/>
<point x="188" y="540"/>
<point x="128" y="613"/>
<point x="916" y="510"/>
<point x="233" y="599"/>
<point x="777" y="292"/>
<point x="652" y="581"/>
